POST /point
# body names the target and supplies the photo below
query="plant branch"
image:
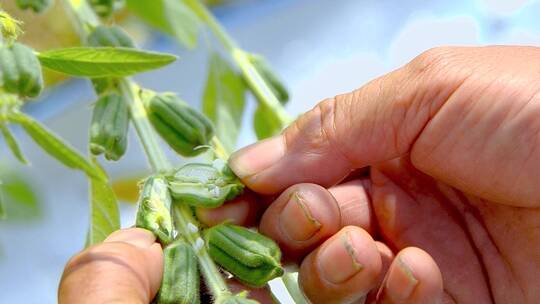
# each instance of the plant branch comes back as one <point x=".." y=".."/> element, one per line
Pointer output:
<point x="185" y="221"/>
<point x="219" y="149"/>
<point x="291" y="284"/>
<point x="260" y="88"/>
<point x="82" y="16"/>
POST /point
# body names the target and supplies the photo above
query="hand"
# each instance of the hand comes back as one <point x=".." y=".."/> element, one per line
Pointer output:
<point x="125" y="268"/>
<point x="446" y="207"/>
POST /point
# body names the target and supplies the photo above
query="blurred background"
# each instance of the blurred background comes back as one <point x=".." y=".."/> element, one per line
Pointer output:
<point x="319" y="47"/>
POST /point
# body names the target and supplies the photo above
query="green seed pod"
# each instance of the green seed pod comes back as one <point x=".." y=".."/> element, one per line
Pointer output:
<point x="112" y="36"/>
<point x="109" y="127"/>
<point x="20" y="70"/>
<point x="108" y="36"/>
<point x="270" y="77"/>
<point x="251" y="257"/>
<point x="105" y="8"/>
<point x="154" y="209"/>
<point x="180" y="282"/>
<point x="183" y="128"/>
<point x="205" y="185"/>
<point x="37" y="6"/>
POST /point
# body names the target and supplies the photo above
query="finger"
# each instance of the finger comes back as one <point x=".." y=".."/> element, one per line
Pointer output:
<point x="377" y="122"/>
<point x="411" y="211"/>
<point x="354" y="204"/>
<point x="352" y="198"/>
<point x="412" y="278"/>
<point x="125" y="268"/>
<point x="244" y="210"/>
<point x="387" y="256"/>
<point x="342" y="270"/>
<point x="300" y="219"/>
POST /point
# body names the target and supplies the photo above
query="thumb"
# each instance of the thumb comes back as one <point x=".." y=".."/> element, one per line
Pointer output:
<point x="377" y="122"/>
<point x="125" y="268"/>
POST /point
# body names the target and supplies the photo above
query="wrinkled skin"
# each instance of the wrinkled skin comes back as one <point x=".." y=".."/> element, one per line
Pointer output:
<point x="453" y="143"/>
<point x="442" y="205"/>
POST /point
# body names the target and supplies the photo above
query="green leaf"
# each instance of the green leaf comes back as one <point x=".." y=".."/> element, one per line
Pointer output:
<point x="173" y="17"/>
<point x="151" y="12"/>
<point x="18" y="198"/>
<point x="55" y="146"/>
<point x="265" y="122"/>
<point x="96" y="62"/>
<point x="183" y="22"/>
<point x="224" y="100"/>
<point x="12" y="144"/>
<point x="105" y="217"/>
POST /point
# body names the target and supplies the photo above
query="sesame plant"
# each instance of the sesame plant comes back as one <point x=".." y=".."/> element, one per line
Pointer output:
<point x="108" y="57"/>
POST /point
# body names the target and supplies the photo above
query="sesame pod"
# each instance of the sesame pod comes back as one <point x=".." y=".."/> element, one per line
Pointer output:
<point x="111" y="36"/>
<point x="109" y="127"/>
<point x="20" y="70"/>
<point x="251" y="257"/>
<point x="37" y="6"/>
<point x="180" y="282"/>
<point x="183" y="128"/>
<point x="270" y="77"/>
<point x="154" y="209"/>
<point x="205" y="185"/>
<point x="108" y="36"/>
<point x="105" y="8"/>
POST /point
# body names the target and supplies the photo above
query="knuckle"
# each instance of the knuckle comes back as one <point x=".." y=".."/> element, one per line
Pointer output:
<point x="432" y="59"/>
<point x="325" y="128"/>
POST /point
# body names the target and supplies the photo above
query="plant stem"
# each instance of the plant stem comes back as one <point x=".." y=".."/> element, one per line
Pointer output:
<point x="219" y="149"/>
<point x="263" y="93"/>
<point x="291" y="283"/>
<point x="186" y="223"/>
<point x="146" y="134"/>
<point x="188" y="227"/>
<point x="82" y="16"/>
<point x="260" y="88"/>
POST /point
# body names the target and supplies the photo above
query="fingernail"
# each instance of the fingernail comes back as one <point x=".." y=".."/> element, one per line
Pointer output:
<point x="338" y="261"/>
<point x="296" y="219"/>
<point x="134" y="236"/>
<point x="257" y="157"/>
<point x="401" y="281"/>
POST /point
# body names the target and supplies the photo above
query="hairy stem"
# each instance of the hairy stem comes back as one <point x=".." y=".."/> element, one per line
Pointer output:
<point x="263" y="93"/>
<point x="291" y="284"/>
<point x="188" y="226"/>
<point x="145" y="132"/>
<point x="186" y="223"/>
